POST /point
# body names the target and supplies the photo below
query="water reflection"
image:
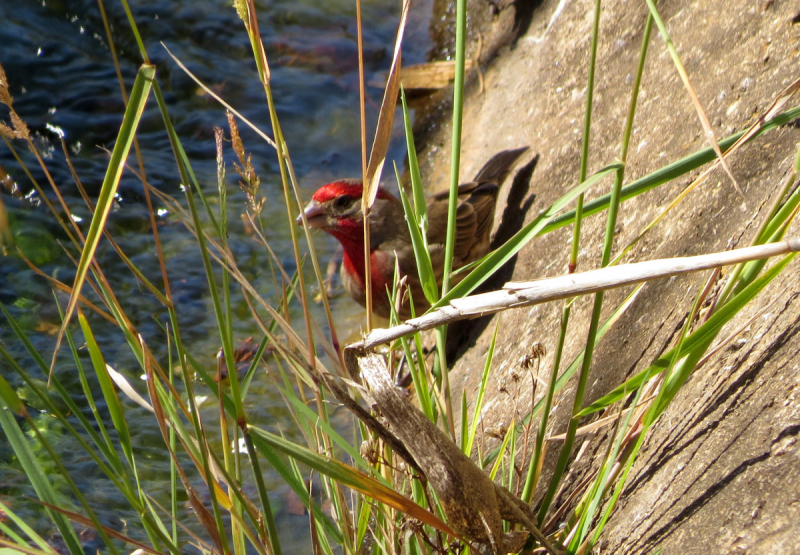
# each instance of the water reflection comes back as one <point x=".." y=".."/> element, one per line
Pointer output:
<point x="57" y="59"/>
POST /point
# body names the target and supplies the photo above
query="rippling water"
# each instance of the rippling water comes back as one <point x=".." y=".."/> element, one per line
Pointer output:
<point x="58" y="63"/>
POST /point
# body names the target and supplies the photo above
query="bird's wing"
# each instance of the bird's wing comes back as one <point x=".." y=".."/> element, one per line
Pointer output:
<point x="464" y="190"/>
<point x="475" y="213"/>
<point x="483" y="202"/>
<point x="466" y="226"/>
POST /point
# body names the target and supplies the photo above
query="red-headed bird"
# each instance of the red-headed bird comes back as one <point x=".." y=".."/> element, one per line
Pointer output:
<point x="336" y="209"/>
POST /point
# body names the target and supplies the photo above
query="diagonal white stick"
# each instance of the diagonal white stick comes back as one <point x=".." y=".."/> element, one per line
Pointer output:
<point x="515" y="294"/>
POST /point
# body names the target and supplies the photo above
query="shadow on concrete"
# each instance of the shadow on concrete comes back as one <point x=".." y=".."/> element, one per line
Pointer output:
<point x="462" y="335"/>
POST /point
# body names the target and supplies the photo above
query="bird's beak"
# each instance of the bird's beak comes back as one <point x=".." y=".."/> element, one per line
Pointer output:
<point x="315" y="214"/>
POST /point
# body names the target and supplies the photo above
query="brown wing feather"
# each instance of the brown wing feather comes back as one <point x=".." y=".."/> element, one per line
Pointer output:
<point x="473" y="217"/>
<point x="484" y="206"/>
<point x="437" y="221"/>
<point x="475" y="213"/>
<point x="466" y="223"/>
<point x="463" y="190"/>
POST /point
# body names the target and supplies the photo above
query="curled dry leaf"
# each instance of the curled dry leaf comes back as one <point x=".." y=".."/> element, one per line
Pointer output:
<point x="474" y="505"/>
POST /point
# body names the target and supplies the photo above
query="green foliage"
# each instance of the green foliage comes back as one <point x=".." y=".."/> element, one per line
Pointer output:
<point x="231" y="502"/>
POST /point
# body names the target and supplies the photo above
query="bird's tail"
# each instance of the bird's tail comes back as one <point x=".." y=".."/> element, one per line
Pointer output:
<point x="499" y="166"/>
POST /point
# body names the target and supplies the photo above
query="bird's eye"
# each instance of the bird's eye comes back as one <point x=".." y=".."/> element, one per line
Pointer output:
<point x="343" y="201"/>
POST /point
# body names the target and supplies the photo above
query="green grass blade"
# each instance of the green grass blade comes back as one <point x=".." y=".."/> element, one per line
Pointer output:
<point x="653" y="412"/>
<point x="303" y="409"/>
<point x="423" y="382"/>
<point x="601" y="484"/>
<point x="667" y="173"/>
<point x="426" y="276"/>
<point x="476" y="414"/>
<point x="537" y="459"/>
<point x="130" y="122"/>
<point x="701" y="336"/>
<point x="608" y="243"/>
<point x="585" y="141"/>
<point x="251" y="370"/>
<point x="562" y="380"/>
<point x="10" y="398"/>
<point x="119" y="479"/>
<point x="464" y="421"/>
<point x="503" y="446"/>
<point x="65" y="396"/>
<point x="455" y="154"/>
<point x="106" y="445"/>
<point x="109" y="391"/>
<point x="418" y="192"/>
<point x="294" y="481"/>
<point x="39" y="481"/>
<point x="572" y="426"/>
<point x="364" y="515"/>
<point x="681" y="373"/>
<point x="65" y="475"/>
<point x="347" y="476"/>
<point x="24" y="527"/>
<point x="418" y="377"/>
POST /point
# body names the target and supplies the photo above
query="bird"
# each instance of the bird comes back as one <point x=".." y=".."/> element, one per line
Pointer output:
<point x="335" y="208"/>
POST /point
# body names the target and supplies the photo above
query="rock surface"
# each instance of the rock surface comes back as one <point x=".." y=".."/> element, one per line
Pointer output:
<point x="718" y="473"/>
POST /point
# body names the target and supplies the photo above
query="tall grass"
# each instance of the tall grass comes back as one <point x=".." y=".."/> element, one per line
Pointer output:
<point x="365" y="493"/>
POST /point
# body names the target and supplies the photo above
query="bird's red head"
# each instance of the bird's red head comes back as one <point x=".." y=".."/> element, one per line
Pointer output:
<point x="336" y="208"/>
<point x="352" y="188"/>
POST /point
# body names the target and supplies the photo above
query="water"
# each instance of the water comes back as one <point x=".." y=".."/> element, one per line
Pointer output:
<point x="60" y="70"/>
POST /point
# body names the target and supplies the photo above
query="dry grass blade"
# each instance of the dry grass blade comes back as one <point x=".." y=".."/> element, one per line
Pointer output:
<point x="701" y="113"/>
<point x="66" y="289"/>
<point x="15" y="548"/>
<point x="316" y="548"/>
<point x="723" y="343"/>
<point x="216" y="97"/>
<point x="6" y="238"/>
<point x="79" y="518"/>
<point x="380" y="146"/>
<point x="384" y="130"/>
<point x="568" y="502"/>
<point x="597" y="424"/>
<point x="775" y="108"/>
<point x="5" y="96"/>
<point x="196" y="540"/>
<point x="261" y="55"/>
<point x="202" y="513"/>
<point x="190" y="443"/>
<point x="124" y="385"/>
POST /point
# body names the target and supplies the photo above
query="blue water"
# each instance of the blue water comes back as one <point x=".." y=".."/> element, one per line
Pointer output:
<point x="60" y="72"/>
